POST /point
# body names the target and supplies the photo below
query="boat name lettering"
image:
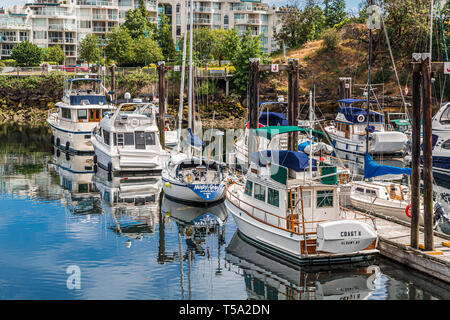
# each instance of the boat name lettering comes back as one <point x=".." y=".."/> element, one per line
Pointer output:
<point x="352" y="233"/>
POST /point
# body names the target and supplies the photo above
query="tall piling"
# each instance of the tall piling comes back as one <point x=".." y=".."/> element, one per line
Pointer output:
<point x="162" y="100"/>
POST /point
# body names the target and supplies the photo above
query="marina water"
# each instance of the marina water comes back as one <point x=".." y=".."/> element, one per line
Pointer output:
<point x="58" y="244"/>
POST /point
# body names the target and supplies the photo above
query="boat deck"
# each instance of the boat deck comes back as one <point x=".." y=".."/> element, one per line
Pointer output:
<point x="394" y="243"/>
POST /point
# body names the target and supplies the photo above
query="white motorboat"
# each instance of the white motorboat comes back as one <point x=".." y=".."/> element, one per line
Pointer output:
<point x="441" y="142"/>
<point x="281" y="207"/>
<point x="128" y="140"/>
<point x="83" y="105"/>
<point x="348" y="131"/>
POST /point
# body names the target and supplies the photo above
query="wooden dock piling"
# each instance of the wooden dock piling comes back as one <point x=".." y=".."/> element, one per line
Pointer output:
<point x="162" y="100"/>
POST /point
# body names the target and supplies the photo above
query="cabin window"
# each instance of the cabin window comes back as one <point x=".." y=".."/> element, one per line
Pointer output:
<point x="273" y="197"/>
<point x="65" y="113"/>
<point x="445" y="118"/>
<point x="358" y="189"/>
<point x="306" y="199"/>
<point x="292" y="201"/>
<point x="106" y="137"/>
<point x="371" y="193"/>
<point x="150" y="139"/>
<point x="82" y="114"/>
<point x="446" y="144"/>
<point x="248" y="188"/>
<point x="128" y="138"/>
<point x="260" y="192"/>
<point x="83" y="188"/>
<point x="324" y="198"/>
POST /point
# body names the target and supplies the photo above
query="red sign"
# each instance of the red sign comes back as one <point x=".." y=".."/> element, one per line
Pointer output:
<point x="274" y="68"/>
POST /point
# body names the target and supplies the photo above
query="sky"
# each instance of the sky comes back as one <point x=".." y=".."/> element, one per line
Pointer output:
<point x="351" y="4"/>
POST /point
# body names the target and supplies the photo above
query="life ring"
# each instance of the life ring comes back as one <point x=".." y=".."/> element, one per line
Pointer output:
<point x="360" y="118"/>
<point x="407" y="210"/>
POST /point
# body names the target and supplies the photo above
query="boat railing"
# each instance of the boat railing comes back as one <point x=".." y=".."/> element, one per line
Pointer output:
<point x="291" y="222"/>
<point x="356" y="215"/>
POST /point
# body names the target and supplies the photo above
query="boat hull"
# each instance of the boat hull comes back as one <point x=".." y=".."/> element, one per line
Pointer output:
<point x="284" y="243"/>
<point x="177" y="191"/>
<point x="74" y="142"/>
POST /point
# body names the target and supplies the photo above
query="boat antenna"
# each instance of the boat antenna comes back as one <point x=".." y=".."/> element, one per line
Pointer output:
<point x="183" y="71"/>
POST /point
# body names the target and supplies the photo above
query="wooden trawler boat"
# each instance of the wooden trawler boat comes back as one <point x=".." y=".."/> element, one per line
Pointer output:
<point x="83" y="105"/>
<point x="282" y="208"/>
<point x="348" y="132"/>
<point x="128" y="140"/>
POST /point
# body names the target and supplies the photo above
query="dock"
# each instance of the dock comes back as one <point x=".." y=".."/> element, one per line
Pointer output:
<point x="394" y="243"/>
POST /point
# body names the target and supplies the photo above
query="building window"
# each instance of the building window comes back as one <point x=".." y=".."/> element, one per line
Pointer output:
<point x="178" y="31"/>
<point x="226" y="20"/>
<point x="248" y="188"/>
<point x="273" y="197"/>
<point x="260" y="192"/>
<point x="178" y="8"/>
<point x="324" y="198"/>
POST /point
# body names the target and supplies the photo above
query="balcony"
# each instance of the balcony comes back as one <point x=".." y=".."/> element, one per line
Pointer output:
<point x="96" y="3"/>
<point x="253" y="21"/>
<point x="99" y="29"/>
<point x="61" y="27"/>
<point x="202" y="21"/>
<point x="56" y="40"/>
<point x="203" y="9"/>
<point x="99" y="17"/>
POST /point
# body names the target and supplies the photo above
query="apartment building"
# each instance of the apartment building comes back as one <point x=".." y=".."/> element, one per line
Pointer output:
<point x="67" y="22"/>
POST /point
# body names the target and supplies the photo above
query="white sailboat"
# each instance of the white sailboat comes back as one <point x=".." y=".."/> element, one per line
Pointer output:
<point x="186" y="177"/>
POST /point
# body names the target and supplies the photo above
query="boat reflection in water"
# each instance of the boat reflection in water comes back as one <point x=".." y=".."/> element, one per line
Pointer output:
<point x="267" y="277"/>
<point x="131" y="201"/>
<point x="196" y="223"/>
<point x="80" y="195"/>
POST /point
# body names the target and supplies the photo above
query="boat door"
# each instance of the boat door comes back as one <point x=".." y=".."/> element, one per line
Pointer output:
<point x="94" y="115"/>
<point x="139" y="140"/>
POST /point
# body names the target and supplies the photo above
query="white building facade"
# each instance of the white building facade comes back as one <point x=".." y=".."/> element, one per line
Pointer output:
<point x="66" y="22"/>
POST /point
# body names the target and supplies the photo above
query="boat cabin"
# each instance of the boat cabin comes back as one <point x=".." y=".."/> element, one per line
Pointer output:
<point x="280" y="192"/>
<point x="386" y="191"/>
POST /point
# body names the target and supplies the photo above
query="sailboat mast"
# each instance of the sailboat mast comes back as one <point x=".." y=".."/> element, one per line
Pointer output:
<point x="191" y="40"/>
<point x="183" y="67"/>
<point x="310" y="133"/>
<point x="431" y="29"/>
<point x="368" y="74"/>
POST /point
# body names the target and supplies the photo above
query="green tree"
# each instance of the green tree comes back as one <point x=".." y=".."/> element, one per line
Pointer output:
<point x="164" y="38"/>
<point x="88" y="49"/>
<point x="27" y="54"/>
<point x="334" y="12"/>
<point x="55" y="53"/>
<point x="227" y="43"/>
<point x="137" y="22"/>
<point x="120" y="46"/>
<point x="299" y="26"/>
<point x="147" y="51"/>
<point x="250" y="47"/>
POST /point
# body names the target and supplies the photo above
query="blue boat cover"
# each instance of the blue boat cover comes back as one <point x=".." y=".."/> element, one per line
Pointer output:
<point x="194" y="140"/>
<point x="372" y="169"/>
<point x="271" y="119"/>
<point x="302" y="146"/>
<point x="93" y="99"/>
<point x="84" y="79"/>
<point x="352" y="113"/>
<point x="349" y="101"/>
<point x="294" y="160"/>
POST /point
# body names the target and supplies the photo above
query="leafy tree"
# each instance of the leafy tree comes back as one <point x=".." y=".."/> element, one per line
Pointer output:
<point x="250" y="47"/>
<point x="120" y="46"/>
<point x="227" y="43"/>
<point x="334" y="12"/>
<point x="137" y="22"/>
<point x="301" y="25"/>
<point x="88" y="49"/>
<point x="27" y="54"/>
<point x="164" y="38"/>
<point x="55" y="53"/>
<point x="147" y="51"/>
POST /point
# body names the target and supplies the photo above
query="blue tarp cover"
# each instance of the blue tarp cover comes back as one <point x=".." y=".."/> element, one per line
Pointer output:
<point x="351" y="114"/>
<point x="372" y="169"/>
<point x="93" y="99"/>
<point x="294" y="160"/>
<point x="271" y="119"/>
<point x="354" y="100"/>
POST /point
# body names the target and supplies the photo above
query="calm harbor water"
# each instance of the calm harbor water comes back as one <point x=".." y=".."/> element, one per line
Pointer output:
<point x="67" y="233"/>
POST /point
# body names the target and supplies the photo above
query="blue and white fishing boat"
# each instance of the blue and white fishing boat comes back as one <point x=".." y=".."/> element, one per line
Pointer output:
<point x="283" y="206"/>
<point x="348" y="132"/>
<point x="83" y="105"/>
<point x="441" y="142"/>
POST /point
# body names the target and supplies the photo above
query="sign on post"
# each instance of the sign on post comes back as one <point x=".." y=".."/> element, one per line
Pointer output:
<point x="446" y="67"/>
<point x="274" y="68"/>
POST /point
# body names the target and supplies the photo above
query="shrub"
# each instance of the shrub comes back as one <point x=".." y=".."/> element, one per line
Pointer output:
<point x="9" y="62"/>
<point x="331" y="39"/>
